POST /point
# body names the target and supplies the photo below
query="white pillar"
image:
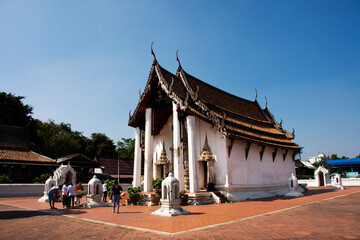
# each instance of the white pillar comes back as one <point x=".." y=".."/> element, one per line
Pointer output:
<point x="148" y="151"/>
<point x="193" y="174"/>
<point x="178" y="163"/>
<point x="227" y="166"/>
<point x="137" y="159"/>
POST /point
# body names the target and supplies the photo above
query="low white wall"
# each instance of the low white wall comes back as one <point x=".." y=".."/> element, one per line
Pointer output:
<point x="346" y="182"/>
<point x="23" y="189"/>
<point x="309" y="182"/>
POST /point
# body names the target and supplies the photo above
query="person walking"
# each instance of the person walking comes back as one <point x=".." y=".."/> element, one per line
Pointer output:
<point x="116" y="191"/>
<point x="71" y="190"/>
<point x="105" y="188"/>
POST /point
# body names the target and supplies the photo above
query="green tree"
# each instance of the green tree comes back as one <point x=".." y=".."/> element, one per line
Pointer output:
<point x="126" y="147"/>
<point x="358" y="156"/>
<point x="54" y="140"/>
<point x="335" y="156"/>
<point x="322" y="163"/>
<point x="13" y="111"/>
<point x="101" y="146"/>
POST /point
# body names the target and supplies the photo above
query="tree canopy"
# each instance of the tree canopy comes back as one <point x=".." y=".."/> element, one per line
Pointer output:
<point x="13" y="111"/>
<point x="53" y="139"/>
<point x="126" y="147"/>
<point x="335" y="156"/>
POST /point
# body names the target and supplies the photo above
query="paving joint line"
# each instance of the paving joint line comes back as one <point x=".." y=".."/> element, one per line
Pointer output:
<point x="186" y="231"/>
<point x="259" y="215"/>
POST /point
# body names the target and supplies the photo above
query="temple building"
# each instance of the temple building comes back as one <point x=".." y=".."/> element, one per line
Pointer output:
<point x="208" y="137"/>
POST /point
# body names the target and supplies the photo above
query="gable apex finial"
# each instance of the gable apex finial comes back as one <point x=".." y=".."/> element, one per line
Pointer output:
<point x="177" y="58"/>
<point x="255" y="95"/>
<point x="265" y="102"/>
<point x="152" y="52"/>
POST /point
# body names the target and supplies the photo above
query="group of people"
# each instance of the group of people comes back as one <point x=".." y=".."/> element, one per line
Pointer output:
<point x="68" y="194"/>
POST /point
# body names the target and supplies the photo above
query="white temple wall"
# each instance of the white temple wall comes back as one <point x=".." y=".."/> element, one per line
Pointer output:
<point x="238" y="164"/>
<point x="238" y="171"/>
<point x="165" y="136"/>
<point x="252" y="172"/>
<point x="255" y="172"/>
<point x="221" y="168"/>
<point x="217" y="144"/>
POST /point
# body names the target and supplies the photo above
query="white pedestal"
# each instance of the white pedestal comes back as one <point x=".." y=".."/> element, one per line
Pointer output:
<point x="170" y="209"/>
<point x="294" y="194"/>
<point x="338" y="187"/>
<point x="44" y="198"/>
<point x="93" y="202"/>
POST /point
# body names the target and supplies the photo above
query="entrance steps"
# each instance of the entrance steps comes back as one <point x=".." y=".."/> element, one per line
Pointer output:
<point x="200" y="198"/>
<point x="219" y="197"/>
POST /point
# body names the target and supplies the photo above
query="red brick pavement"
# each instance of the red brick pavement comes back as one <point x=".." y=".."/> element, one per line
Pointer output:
<point x="280" y="218"/>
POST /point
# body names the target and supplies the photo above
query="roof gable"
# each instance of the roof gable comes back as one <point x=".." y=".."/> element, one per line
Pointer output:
<point x="235" y="117"/>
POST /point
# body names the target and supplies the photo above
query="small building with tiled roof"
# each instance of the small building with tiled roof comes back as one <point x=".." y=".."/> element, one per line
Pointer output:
<point x="122" y="168"/>
<point x="83" y="165"/>
<point x="17" y="160"/>
<point x="207" y="136"/>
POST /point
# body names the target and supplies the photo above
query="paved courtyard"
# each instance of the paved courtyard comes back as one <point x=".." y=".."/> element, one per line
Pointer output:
<point x="321" y="214"/>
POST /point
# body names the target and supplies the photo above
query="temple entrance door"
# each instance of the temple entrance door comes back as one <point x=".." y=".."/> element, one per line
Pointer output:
<point x="69" y="177"/>
<point x="321" y="179"/>
<point x="203" y="174"/>
<point x="159" y="171"/>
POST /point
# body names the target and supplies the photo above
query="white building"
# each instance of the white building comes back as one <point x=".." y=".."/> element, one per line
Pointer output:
<point x="205" y="135"/>
<point x="315" y="159"/>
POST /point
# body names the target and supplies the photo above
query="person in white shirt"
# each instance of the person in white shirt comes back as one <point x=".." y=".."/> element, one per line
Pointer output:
<point x="71" y="190"/>
<point x="65" y="194"/>
<point x="104" y="192"/>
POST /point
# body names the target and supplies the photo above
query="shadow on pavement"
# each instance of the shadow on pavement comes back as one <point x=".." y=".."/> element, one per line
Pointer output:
<point x="130" y="212"/>
<point x="196" y="213"/>
<point x="15" y="214"/>
<point x="21" y="214"/>
<point x="310" y="192"/>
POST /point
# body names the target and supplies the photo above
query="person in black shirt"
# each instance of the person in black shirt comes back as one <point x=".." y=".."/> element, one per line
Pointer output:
<point x="116" y="191"/>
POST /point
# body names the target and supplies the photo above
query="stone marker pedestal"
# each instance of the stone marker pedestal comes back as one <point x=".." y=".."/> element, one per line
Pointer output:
<point x="294" y="190"/>
<point x="338" y="183"/>
<point x="94" y="197"/>
<point x="170" y="199"/>
<point x="50" y="182"/>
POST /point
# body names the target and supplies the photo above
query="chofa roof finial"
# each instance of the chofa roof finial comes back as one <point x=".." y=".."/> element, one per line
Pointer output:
<point x="177" y="58"/>
<point x="265" y="102"/>
<point x="152" y="52"/>
<point x="255" y="95"/>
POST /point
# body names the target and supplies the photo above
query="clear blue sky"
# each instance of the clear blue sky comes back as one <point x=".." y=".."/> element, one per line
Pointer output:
<point x="83" y="62"/>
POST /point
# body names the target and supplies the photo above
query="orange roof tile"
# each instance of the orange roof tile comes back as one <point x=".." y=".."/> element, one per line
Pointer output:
<point x="23" y="156"/>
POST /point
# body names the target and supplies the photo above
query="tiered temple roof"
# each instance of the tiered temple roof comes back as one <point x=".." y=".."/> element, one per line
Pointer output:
<point x="235" y="117"/>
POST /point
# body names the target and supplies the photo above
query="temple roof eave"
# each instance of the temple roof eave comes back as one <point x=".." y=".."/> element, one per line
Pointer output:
<point x="259" y="126"/>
